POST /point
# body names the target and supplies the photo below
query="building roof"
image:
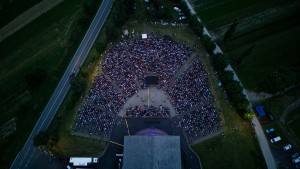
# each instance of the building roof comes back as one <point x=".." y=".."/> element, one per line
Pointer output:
<point x="152" y="152"/>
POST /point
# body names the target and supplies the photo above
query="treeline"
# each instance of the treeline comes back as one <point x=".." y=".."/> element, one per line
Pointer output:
<point x="233" y="87"/>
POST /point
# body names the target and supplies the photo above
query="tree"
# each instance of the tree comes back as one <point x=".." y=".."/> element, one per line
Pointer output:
<point x="78" y="84"/>
<point x="45" y="139"/>
<point x="230" y="30"/>
<point x="220" y="62"/>
<point x="234" y="88"/>
<point x="208" y="43"/>
<point x="226" y="76"/>
<point x="248" y="115"/>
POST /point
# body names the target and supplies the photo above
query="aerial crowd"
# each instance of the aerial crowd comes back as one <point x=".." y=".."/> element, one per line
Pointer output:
<point x="124" y="71"/>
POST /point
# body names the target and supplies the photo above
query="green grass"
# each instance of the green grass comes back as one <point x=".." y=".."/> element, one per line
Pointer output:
<point x="49" y="42"/>
<point x="293" y="121"/>
<point x="11" y="9"/>
<point x="271" y="51"/>
<point x="210" y="12"/>
<point x="277" y="105"/>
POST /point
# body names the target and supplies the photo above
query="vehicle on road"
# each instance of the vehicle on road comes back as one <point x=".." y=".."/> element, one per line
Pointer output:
<point x="275" y="139"/>
<point x="297" y="166"/>
<point x="270" y="130"/>
<point x="294" y="155"/>
<point x="182" y="18"/>
<point x="296" y="160"/>
<point x="287" y="147"/>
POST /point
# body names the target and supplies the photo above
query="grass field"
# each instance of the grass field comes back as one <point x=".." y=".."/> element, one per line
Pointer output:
<point x="277" y="105"/>
<point x="11" y="9"/>
<point x="47" y="43"/>
<point x="270" y="52"/>
<point x="293" y="121"/>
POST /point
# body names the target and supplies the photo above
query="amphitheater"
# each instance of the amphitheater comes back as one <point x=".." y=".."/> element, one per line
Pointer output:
<point x="156" y="77"/>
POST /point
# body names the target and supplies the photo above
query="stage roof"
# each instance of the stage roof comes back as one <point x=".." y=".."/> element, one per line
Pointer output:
<point x="152" y="152"/>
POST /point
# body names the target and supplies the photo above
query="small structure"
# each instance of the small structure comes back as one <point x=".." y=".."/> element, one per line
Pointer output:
<point x="144" y="36"/>
<point x="260" y="111"/>
<point x="82" y="161"/>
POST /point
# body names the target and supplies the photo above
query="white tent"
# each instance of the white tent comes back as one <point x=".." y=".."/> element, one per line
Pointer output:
<point x="144" y="36"/>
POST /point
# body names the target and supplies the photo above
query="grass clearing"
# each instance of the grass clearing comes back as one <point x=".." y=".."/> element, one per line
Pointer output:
<point x="293" y="121"/>
<point x="269" y="53"/>
<point x="11" y="9"/>
<point x="277" y="105"/>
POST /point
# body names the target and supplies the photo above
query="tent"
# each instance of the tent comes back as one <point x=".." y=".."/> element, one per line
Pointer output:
<point x="260" y="111"/>
<point x="144" y="36"/>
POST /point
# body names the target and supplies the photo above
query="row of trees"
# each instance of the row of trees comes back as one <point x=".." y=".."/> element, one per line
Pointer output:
<point x="233" y="87"/>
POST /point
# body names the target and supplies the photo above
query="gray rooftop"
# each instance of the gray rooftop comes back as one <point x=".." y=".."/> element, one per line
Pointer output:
<point x="152" y="152"/>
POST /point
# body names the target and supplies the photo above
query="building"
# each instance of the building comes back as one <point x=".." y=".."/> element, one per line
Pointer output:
<point x="152" y="152"/>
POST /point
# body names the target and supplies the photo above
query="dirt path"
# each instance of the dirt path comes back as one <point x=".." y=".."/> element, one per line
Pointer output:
<point x="27" y="17"/>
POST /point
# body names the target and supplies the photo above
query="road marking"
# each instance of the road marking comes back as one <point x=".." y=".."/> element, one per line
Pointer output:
<point x="116" y="143"/>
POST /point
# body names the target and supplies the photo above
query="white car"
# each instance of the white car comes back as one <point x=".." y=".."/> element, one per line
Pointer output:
<point x="296" y="160"/>
<point x="287" y="147"/>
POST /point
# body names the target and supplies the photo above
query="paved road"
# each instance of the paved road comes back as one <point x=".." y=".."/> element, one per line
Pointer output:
<point x="23" y="159"/>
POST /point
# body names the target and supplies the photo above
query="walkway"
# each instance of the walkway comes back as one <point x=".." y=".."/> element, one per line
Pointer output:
<point x="264" y="145"/>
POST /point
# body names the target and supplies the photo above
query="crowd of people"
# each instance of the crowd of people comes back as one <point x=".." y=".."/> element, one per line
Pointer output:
<point x="199" y="123"/>
<point x="129" y="61"/>
<point x="94" y="121"/>
<point x="126" y="65"/>
<point x="191" y="89"/>
<point x="139" y="111"/>
<point x="104" y="94"/>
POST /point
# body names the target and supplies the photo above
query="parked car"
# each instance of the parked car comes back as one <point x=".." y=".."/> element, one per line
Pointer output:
<point x="270" y="130"/>
<point x="182" y="18"/>
<point x="294" y="155"/>
<point x="287" y="147"/>
<point x="296" y="160"/>
<point x="275" y="139"/>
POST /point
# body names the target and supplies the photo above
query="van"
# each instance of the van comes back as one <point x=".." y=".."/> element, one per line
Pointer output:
<point x="275" y="139"/>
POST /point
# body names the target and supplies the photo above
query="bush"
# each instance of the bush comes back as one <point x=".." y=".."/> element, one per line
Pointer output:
<point x="248" y="115"/>
<point x="220" y="62"/>
<point x="226" y="76"/>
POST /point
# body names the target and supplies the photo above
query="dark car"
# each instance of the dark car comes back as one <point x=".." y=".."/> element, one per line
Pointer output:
<point x="297" y="166"/>
<point x="294" y="155"/>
